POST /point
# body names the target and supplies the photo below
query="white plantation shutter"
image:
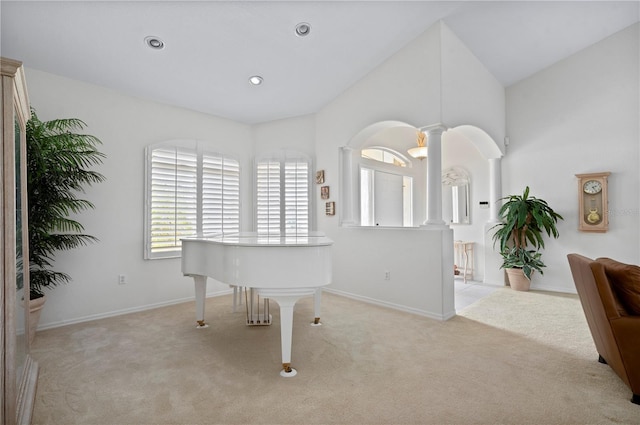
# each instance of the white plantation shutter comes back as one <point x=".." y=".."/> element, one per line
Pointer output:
<point x="189" y="192"/>
<point x="282" y="196"/>
<point x="220" y="194"/>
<point x="268" y="197"/>
<point x="173" y="197"/>
<point x="296" y="197"/>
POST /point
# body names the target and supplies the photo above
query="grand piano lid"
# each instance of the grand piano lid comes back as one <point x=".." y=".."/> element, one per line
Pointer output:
<point x="255" y="239"/>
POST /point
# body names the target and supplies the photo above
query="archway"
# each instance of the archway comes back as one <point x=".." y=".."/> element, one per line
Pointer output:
<point x="403" y="136"/>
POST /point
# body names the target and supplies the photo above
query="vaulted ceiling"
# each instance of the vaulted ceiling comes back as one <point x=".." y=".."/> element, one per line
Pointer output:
<point x="211" y="48"/>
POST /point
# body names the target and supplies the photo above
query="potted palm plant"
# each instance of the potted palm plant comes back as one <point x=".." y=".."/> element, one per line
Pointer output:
<point x="524" y="221"/>
<point x="58" y="168"/>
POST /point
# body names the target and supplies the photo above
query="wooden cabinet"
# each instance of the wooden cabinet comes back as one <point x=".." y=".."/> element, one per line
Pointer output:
<point x="19" y="371"/>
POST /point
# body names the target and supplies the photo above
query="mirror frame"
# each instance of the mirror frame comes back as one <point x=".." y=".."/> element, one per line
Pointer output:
<point x="458" y="177"/>
<point x="18" y="389"/>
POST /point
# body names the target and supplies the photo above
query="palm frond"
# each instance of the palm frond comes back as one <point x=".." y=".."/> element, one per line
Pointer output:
<point x="60" y="159"/>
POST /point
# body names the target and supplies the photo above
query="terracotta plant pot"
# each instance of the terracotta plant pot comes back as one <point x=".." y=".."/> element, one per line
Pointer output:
<point x="517" y="280"/>
<point x="35" y="308"/>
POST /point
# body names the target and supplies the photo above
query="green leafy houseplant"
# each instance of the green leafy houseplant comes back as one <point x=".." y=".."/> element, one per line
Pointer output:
<point x="58" y="168"/>
<point x="524" y="221"/>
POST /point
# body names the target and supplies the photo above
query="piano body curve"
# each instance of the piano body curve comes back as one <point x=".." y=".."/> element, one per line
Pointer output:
<point x="284" y="269"/>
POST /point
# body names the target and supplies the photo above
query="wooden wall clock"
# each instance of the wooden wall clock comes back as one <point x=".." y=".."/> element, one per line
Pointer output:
<point x="594" y="204"/>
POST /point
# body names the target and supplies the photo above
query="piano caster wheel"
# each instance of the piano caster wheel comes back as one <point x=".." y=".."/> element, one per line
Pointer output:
<point x="201" y="324"/>
<point x="316" y="322"/>
<point x="288" y="371"/>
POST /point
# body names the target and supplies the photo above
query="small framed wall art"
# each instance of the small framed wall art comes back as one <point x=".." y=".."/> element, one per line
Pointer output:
<point x="330" y="208"/>
<point x="319" y="176"/>
<point x="324" y="192"/>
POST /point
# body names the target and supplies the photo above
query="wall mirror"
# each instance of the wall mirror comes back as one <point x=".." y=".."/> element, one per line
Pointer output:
<point x="455" y="196"/>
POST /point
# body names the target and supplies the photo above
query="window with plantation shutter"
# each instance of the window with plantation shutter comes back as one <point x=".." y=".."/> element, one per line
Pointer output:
<point x="190" y="192"/>
<point x="268" y="197"/>
<point x="282" y="195"/>
<point x="296" y="197"/>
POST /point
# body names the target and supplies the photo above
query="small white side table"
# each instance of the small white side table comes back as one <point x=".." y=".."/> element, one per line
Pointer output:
<point x="464" y="258"/>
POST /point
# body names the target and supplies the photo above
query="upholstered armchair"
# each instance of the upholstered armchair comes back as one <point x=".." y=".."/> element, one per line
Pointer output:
<point x="610" y="295"/>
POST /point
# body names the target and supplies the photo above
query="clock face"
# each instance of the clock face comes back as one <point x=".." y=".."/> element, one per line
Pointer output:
<point x="592" y="187"/>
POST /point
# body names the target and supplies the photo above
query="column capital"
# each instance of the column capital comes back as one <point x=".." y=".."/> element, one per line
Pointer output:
<point x="434" y="128"/>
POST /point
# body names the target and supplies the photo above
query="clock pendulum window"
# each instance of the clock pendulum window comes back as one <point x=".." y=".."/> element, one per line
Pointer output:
<point x="593" y="202"/>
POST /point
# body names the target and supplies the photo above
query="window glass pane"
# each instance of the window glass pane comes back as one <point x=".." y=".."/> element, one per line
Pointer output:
<point x="407" y="201"/>
<point x="366" y="197"/>
<point x="386" y="187"/>
<point x="383" y="155"/>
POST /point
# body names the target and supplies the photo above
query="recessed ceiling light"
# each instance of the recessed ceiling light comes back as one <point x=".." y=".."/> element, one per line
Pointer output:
<point x="256" y="80"/>
<point x="154" y="42"/>
<point x="303" y="29"/>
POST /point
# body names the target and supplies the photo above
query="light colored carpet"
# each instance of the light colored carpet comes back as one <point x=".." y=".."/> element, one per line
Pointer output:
<point x="511" y="358"/>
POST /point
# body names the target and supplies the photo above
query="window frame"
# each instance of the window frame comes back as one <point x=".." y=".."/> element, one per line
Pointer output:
<point x="201" y="150"/>
<point x="404" y="170"/>
<point x="282" y="158"/>
<point x="351" y="165"/>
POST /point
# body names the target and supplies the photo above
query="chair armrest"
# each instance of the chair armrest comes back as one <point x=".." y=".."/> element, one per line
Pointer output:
<point x="626" y="330"/>
<point x="612" y="307"/>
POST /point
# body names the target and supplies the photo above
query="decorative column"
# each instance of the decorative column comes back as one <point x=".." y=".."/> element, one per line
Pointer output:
<point x="434" y="175"/>
<point x="348" y="188"/>
<point x="495" y="189"/>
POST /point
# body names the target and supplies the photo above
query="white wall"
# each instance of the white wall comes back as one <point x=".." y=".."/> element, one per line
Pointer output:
<point x="296" y="134"/>
<point x="471" y="95"/>
<point x="405" y="88"/>
<point x="460" y="152"/>
<point x="580" y="116"/>
<point x="125" y="125"/>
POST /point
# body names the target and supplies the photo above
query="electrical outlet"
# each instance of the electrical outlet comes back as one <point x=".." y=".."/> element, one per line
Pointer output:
<point x="122" y="279"/>
<point x="387" y="275"/>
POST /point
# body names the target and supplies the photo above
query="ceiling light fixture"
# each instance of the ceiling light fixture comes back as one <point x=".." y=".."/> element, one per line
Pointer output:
<point x="154" y="42"/>
<point x="420" y="151"/>
<point x="303" y="29"/>
<point x="256" y="80"/>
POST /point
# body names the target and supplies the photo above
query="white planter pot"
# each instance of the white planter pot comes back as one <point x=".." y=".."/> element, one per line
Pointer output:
<point x="35" y="308"/>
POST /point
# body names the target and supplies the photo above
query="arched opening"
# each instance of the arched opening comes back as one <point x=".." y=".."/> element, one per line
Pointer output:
<point x="475" y="151"/>
<point x="380" y="184"/>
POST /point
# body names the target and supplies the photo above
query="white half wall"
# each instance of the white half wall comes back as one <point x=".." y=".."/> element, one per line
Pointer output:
<point x="405" y="88"/>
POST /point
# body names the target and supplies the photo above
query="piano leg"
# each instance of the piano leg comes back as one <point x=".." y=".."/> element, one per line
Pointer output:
<point x="286" y="333"/>
<point x="201" y="294"/>
<point x="237" y="297"/>
<point x="317" y="300"/>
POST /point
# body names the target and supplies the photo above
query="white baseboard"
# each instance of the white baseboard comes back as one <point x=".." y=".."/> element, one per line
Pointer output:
<point x="126" y="311"/>
<point x="368" y="300"/>
<point x="393" y="306"/>
<point x="551" y="288"/>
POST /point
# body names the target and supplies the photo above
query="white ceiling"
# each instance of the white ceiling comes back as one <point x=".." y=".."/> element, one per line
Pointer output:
<point x="212" y="47"/>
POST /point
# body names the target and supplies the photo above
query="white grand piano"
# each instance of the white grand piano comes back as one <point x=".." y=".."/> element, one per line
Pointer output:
<point x="281" y="268"/>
